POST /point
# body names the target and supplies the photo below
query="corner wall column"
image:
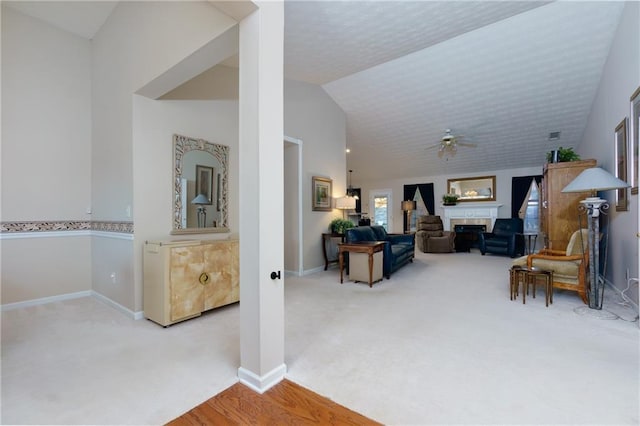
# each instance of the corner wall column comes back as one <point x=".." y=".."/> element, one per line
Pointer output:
<point x="261" y="197"/>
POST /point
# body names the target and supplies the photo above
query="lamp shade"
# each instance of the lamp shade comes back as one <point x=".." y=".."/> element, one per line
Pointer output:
<point x="408" y="205"/>
<point x="200" y="199"/>
<point x="345" y="203"/>
<point x="595" y="179"/>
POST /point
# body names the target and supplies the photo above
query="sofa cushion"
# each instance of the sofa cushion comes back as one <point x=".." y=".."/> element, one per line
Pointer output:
<point x="380" y="232"/>
<point x="361" y="233"/>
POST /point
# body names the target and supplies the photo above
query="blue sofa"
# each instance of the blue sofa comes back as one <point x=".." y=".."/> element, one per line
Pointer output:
<point x="398" y="250"/>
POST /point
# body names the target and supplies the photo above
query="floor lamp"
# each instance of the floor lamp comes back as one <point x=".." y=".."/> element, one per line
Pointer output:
<point x="593" y="180"/>
<point x="408" y="207"/>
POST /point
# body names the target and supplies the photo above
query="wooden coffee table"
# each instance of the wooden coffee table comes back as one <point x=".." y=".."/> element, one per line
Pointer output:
<point x="368" y="247"/>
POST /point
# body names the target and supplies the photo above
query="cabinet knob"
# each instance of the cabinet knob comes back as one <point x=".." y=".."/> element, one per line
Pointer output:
<point x="204" y="278"/>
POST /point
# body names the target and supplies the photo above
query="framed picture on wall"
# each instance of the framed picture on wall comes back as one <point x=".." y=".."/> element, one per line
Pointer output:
<point x="635" y="139"/>
<point x="321" y="194"/>
<point x="204" y="182"/>
<point x="620" y="138"/>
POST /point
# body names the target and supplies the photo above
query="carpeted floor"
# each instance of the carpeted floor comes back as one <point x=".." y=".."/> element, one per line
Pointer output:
<point x="438" y="343"/>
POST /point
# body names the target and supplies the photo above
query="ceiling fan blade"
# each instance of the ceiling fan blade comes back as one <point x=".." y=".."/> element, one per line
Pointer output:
<point x="473" y="145"/>
<point x="437" y="145"/>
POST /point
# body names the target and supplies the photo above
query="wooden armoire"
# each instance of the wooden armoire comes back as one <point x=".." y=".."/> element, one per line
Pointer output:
<point x="559" y="211"/>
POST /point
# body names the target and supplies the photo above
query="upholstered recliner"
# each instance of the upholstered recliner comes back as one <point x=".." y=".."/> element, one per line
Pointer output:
<point x="569" y="266"/>
<point x="399" y="249"/>
<point x="505" y="238"/>
<point x="431" y="236"/>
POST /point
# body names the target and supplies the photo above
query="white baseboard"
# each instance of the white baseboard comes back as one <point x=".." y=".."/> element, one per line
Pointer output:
<point x="313" y="271"/>
<point x="69" y="296"/>
<point x="44" y="300"/>
<point x="262" y="384"/>
<point x="115" y="305"/>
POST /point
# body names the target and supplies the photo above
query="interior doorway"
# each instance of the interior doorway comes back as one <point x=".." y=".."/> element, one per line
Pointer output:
<point x="381" y="208"/>
<point x="293" y="258"/>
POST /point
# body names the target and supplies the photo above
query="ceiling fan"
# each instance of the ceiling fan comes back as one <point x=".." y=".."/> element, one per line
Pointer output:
<point x="449" y="143"/>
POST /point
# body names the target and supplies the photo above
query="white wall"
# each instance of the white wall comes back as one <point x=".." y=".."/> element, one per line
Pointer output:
<point x="312" y="116"/>
<point x="621" y="77"/>
<point x="46" y="155"/>
<point x="139" y="42"/>
<point x="503" y="190"/>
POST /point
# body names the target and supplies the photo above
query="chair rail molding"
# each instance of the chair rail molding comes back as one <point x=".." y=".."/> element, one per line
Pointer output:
<point x="470" y="213"/>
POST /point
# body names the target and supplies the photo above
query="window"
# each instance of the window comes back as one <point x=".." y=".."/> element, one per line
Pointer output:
<point x="531" y="214"/>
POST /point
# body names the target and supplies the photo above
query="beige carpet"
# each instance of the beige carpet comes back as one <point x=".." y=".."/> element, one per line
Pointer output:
<point x="438" y="343"/>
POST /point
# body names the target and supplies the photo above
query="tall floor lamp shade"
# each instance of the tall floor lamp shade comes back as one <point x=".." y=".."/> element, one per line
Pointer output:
<point x="593" y="180"/>
<point x="408" y="206"/>
<point x="345" y="203"/>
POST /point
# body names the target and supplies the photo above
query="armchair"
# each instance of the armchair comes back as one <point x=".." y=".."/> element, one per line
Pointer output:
<point x="569" y="267"/>
<point x="505" y="238"/>
<point x="431" y="236"/>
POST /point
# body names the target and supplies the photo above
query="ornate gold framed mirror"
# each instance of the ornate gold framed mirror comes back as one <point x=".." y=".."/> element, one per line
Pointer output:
<point x="200" y="186"/>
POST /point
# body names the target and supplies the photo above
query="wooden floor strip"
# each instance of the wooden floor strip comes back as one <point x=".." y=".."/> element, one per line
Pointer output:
<point x="286" y="403"/>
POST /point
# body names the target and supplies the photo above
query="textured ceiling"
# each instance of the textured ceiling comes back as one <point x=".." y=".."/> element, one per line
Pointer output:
<point x="503" y="74"/>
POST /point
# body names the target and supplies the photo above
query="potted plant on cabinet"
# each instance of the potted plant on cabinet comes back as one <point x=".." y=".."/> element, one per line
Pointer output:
<point x="562" y="155"/>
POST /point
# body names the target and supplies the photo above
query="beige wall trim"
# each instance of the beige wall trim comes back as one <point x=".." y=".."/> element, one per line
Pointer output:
<point x="55" y="226"/>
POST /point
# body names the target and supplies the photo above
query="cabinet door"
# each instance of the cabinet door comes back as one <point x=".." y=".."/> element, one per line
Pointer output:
<point x="563" y="208"/>
<point x="221" y="263"/>
<point x="187" y="296"/>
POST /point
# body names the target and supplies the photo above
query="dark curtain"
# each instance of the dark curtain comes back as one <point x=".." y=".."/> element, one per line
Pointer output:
<point x="519" y="189"/>
<point x="426" y="192"/>
<point x="358" y="192"/>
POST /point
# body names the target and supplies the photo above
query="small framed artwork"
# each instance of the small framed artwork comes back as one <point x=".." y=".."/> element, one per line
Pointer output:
<point x="620" y="139"/>
<point x="635" y="139"/>
<point x="204" y="182"/>
<point x="321" y="194"/>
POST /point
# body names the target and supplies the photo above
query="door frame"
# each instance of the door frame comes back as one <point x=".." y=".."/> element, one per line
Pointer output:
<point x="287" y="140"/>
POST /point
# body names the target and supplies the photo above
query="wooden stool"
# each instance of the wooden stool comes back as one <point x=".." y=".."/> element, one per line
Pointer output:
<point x="532" y="276"/>
<point x="517" y="274"/>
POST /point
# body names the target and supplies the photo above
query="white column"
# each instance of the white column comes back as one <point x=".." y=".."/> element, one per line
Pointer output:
<point x="261" y="197"/>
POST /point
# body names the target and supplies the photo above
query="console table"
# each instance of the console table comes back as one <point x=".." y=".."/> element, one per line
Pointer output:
<point x="368" y="247"/>
<point x="327" y="239"/>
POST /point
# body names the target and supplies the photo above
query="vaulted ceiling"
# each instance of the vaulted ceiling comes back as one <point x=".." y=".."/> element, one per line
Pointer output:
<point x="503" y="74"/>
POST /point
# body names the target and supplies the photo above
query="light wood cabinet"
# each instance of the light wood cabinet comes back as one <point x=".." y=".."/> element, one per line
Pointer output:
<point x="182" y="279"/>
<point x="559" y="212"/>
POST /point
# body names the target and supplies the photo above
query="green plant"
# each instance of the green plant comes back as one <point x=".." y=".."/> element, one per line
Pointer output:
<point x="339" y="225"/>
<point x="450" y="198"/>
<point x="564" y="155"/>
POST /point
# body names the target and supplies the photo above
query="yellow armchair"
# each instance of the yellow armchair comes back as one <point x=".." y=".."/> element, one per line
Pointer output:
<point x="569" y="267"/>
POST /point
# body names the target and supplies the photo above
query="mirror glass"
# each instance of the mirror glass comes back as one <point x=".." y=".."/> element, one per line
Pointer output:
<point x="200" y="178"/>
<point x="473" y="189"/>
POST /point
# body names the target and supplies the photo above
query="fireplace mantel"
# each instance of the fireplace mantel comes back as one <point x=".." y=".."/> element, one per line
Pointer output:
<point x="470" y="212"/>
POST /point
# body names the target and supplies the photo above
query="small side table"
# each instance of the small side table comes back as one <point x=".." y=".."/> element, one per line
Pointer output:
<point x="534" y="274"/>
<point x="531" y="241"/>
<point x="368" y="247"/>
